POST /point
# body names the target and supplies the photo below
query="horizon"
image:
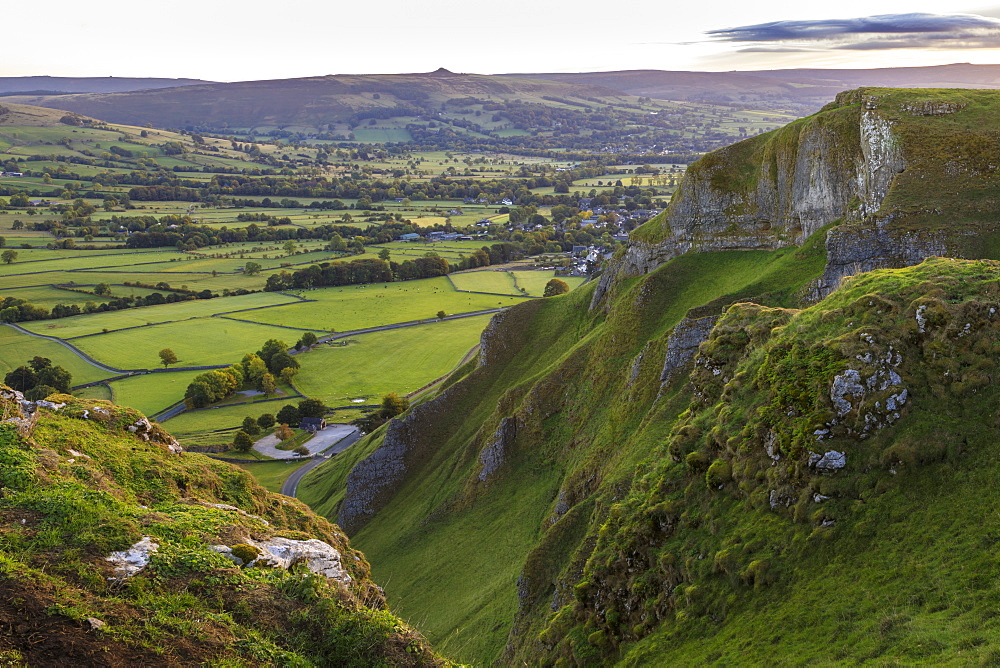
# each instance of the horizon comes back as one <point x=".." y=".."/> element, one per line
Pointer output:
<point x="220" y="41"/>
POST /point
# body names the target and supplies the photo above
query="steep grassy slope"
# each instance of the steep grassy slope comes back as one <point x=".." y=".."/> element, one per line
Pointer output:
<point x="826" y="496"/>
<point x="453" y="539"/>
<point x="81" y="480"/>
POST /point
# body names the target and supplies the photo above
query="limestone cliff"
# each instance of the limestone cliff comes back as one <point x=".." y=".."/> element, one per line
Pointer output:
<point x="875" y="159"/>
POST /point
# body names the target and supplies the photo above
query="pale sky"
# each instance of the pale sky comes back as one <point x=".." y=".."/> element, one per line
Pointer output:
<point x="224" y="40"/>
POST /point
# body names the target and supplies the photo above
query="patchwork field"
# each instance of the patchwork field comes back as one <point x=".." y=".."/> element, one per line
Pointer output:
<point x="534" y="282"/>
<point x="197" y="342"/>
<point x="498" y="282"/>
<point x="16" y="348"/>
<point x="361" y="306"/>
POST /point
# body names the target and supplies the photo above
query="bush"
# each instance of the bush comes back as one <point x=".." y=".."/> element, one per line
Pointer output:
<point x="719" y="473"/>
<point x="555" y="287"/>
<point x="250" y="426"/>
<point x="301" y="450"/>
<point x="242" y="441"/>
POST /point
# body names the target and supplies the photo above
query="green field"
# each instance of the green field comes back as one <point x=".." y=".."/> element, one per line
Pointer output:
<point x="152" y="392"/>
<point x="497" y="282"/>
<point x="196" y="342"/>
<point x="16" y="348"/>
<point x="398" y="360"/>
<point x="272" y="474"/>
<point x="534" y="281"/>
<point x="93" y="323"/>
<point x="226" y="417"/>
<point x="360" y="306"/>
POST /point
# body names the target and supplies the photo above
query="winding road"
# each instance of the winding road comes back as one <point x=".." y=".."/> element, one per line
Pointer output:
<point x="291" y="483"/>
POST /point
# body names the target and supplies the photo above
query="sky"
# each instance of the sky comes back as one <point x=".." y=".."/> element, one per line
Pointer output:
<point x="224" y="40"/>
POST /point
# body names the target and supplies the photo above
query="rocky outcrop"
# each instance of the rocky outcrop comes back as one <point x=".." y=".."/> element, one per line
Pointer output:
<point x="129" y="562"/>
<point x="683" y="345"/>
<point x="494" y="454"/>
<point x="777" y="190"/>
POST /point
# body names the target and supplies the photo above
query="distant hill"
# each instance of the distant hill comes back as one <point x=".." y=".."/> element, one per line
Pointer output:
<point x="43" y="85"/>
<point x="312" y="101"/>
<point x="809" y="88"/>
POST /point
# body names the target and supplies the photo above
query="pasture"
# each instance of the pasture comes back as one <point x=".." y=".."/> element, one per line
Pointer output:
<point x="95" y="323"/>
<point x="397" y="360"/>
<point x="534" y="281"/>
<point x="497" y="282"/>
<point x="197" y="342"/>
<point x="16" y="348"/>
<point x="354" y="307"/>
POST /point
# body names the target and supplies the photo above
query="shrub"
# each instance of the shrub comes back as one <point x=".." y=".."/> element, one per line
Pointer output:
<point x="242" y="441"/>
<point x="719" y="473"/>
<point x="301" y="450"/>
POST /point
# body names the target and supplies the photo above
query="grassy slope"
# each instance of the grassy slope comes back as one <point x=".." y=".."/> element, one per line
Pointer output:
<point x="64" y="512"/>
<point x="902" y="575"/>
<point x="490" y="532"/>
<point x="16" y="348"/>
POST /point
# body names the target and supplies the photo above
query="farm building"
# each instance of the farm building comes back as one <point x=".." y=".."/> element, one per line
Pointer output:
<point x="312" y="424"/>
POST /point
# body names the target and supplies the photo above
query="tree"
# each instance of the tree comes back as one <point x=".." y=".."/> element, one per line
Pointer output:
<point x="242" y="441"/>
<point x="167" y="357"/>
<point x="56" y="377"/>
<point x="254" y="368"/>
<point x="287" y="374"/>
<point x="271" y="348"/>
<point x="313" y="408"/>
<point x="8" y="256"/>
<point x="39" y="392"/>
<point x="252" y="268"/>
<point x="267" y="384"/>
<point x="283" y="432"/>
<point x="102" y="289"/>
<point x="289" y="414"/>
<point x="301" y="450"/>
<point x="281" y="360"/>
<point x="39" y="363"/>
<point x="22" y="378"/>
<point x="250" y="426"/>
<point x="266" y="421"/>
<point x="384" y="254"/>
<point x="289" y="247"/>
<point x="555" y="287"/>
<point x="393" y="405"/>
<point x="307" y="341"/>
<point x="441" y="315"/>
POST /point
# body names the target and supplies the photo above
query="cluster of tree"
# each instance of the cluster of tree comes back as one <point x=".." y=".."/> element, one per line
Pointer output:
<point x="392" y="405"/>
<point x="39" y="378"/>
<point x="15" y="309"/>
<point x="258" y="371"/>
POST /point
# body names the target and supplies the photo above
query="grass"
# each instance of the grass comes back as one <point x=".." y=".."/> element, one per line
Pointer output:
<point x="497" y="282"/>
<point x="356" y="307"/>
<point x="534" y="281"/>
<point x="224" y="417"/>
<point x="197" y="342"/>
<point x="271" y="475"/>
<point x="151" y="393"/>
<point x="93" y="323"/>
<point x="399" y="360"/>
<point x="17" y="348"/>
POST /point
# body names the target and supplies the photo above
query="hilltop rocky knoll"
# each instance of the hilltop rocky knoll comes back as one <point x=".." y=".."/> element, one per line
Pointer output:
<point x="117" y="549"/>
<point x="765" y="435"/>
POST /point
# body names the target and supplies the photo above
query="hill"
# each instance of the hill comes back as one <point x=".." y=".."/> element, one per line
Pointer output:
<point x="804" y="89"/>
<point x="45" y="85"/>
<point x="728" y="448"/>
<point x="117" y="549"/>
<point x="311" y="101"/>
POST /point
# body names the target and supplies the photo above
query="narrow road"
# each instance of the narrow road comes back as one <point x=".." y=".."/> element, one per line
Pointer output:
<point x="291" y="483"/>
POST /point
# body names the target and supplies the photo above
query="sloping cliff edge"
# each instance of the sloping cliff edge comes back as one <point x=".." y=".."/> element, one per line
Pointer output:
<point x="895" y="169"/>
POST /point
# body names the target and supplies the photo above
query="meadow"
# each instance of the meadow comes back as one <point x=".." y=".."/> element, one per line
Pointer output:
<point x="355" y="307"/>
<point x="16" y="348"/>
<point x="398" y="360"/>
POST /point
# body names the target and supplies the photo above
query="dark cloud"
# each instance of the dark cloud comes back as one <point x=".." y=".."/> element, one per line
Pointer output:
<point x="888" y="31"/>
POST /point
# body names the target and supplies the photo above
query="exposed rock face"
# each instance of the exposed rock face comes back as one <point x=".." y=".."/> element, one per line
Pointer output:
<point x="854" y="249"/>
<point x="129" y="562"/>
<point x="317" y="556"/>
<point x="494" y="453"/>
<point x="683" y="345"/>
